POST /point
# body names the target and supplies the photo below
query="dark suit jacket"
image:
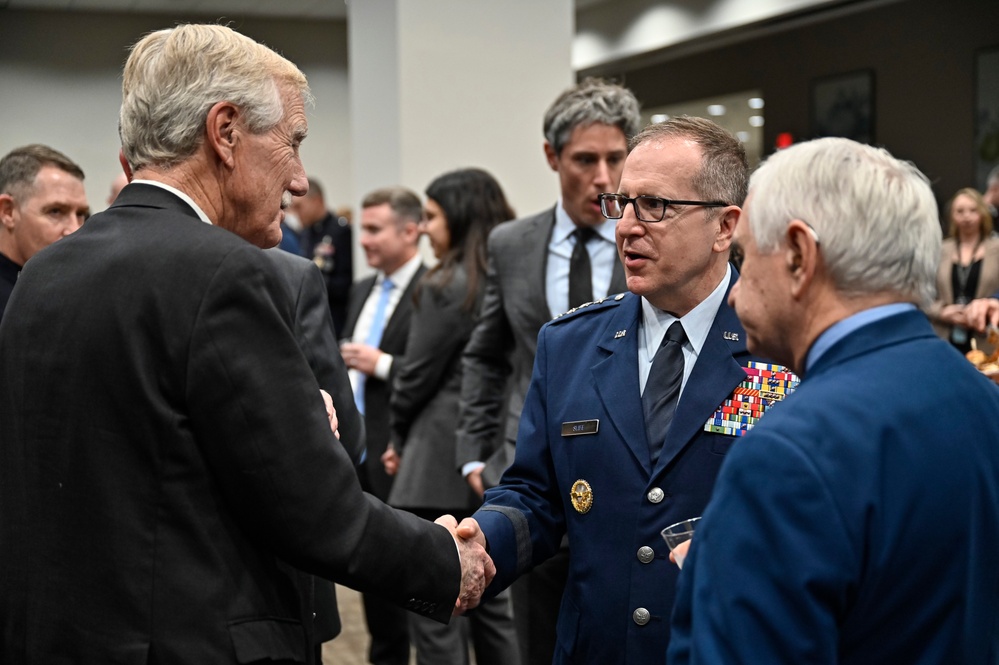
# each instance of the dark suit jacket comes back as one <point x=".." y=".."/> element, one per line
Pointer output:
<point x="314" y="332"/>
<point x="859" y="522"/>
<point x="500" y="354"/>
<point x="587" y="369"/>
<point x="166" y="456"/>
<point x="316" y="337"/>
<point x="424" y="399"/>
<point x="376" y="391"/>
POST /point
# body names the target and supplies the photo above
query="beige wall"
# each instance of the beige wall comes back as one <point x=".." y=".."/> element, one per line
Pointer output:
<point x="60" y="78"/>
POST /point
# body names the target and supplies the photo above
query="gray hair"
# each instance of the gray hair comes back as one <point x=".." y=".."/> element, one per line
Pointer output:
<point x="993" y="177"/>
<point x="173" y="77"/>
<point x="20" y="167"/>
<point x="592" y="101"/>
<point x="724" y="172"/>
<point x="405" y="203"/>
<point x="875" y="216"/>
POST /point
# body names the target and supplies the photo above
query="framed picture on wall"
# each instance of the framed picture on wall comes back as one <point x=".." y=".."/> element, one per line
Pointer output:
<point x="986" y="114"/>
<point x="843" y="105"/>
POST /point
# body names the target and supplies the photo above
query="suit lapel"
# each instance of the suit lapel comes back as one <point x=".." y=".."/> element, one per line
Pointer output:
<point x="535" y="249"/>
<point x="358" y="295"/>
<point x="715" y="375"/>
<point x="618" y="283"/>
<point x="615" y="378"/>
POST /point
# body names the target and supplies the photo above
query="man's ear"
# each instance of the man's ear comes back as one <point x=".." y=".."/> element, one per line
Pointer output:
<point x="551" y="156"/>
<point x="7" y="206"/>
<point x="222" y="131"/>
<point x="728" y="219"/>
<point x="802" y="255"/>
<point x="125" y="166"/>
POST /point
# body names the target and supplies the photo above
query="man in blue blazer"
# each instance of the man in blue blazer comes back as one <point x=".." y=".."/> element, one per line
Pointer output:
<point x="860" y="522"/>
<point x="585" y="465"/>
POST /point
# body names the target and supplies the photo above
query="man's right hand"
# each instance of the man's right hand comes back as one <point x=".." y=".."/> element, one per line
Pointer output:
<point x="477" y="568"/>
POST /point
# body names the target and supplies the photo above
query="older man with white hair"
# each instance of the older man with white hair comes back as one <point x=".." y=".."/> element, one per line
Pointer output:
<point x="165" y="455"/>
<point x="859" y="521"/>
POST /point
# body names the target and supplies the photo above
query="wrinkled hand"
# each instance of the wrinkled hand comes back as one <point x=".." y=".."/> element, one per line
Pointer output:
<point x="391" y="460"/>
<point x="474" y="480"/>
<point x="331" y="413"/>
<point x="982" y="312"/>
<point x="477" y="568"/>
<point x="361" y="357"/>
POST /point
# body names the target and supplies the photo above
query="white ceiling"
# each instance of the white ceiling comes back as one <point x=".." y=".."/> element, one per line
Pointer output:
<point x="322" y="9"/>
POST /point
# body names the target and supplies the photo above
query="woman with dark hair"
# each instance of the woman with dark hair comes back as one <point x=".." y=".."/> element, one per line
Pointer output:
<point x="462" y="208"/>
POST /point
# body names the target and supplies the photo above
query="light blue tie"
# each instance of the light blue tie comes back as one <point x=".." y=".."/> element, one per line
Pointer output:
<point x="374" y="337"/>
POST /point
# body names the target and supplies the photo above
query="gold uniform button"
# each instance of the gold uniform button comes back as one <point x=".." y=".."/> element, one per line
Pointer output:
<point x="655" y="495"/>
<point x="646" y="554"/>
<point x="641" y="616"/>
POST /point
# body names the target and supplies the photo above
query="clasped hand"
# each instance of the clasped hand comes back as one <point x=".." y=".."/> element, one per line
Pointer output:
<point x="477" y="568"/>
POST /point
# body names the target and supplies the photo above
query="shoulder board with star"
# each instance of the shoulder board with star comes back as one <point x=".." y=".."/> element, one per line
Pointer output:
<point x="594" y="306"/>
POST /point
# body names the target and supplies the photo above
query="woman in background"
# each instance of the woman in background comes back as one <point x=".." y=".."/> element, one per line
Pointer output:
<point x="969" y="266"/>
<point x="462" y="207"/>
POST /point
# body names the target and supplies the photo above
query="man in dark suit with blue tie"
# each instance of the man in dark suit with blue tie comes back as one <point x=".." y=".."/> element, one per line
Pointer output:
<point x="620" y="438"/>
<point x="376" y="334"/>
<point x="859" y="523"/>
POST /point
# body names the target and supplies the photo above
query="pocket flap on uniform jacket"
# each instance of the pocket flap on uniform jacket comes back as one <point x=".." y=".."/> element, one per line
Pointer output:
<point x="268" y="639"/>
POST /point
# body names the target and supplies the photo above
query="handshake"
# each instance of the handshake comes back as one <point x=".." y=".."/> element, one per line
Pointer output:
<point x="477" y="569"/>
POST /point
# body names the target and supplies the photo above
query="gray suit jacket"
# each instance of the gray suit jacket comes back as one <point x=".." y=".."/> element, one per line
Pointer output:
<point x="504" y="341"/>
<point x="424" y="401"/>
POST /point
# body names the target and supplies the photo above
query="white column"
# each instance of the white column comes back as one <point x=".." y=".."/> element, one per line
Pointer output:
<point x="442" y="84"/>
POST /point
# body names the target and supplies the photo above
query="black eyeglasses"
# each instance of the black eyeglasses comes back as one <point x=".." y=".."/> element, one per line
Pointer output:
<point x="647" y="208"/>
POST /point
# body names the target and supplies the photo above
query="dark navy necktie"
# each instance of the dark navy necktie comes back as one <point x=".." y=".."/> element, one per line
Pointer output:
<point x="663" y="388"/>
<point x="580" y="273"/>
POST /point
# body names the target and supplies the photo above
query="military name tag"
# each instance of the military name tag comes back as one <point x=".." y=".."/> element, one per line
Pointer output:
<point x="580" y="427"/>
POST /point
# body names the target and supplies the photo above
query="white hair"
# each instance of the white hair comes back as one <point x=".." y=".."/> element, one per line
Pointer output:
<point x="875" y="216"/>
<point x="173" y="77"/>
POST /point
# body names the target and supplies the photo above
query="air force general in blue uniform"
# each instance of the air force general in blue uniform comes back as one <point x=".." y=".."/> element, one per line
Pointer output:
<point x="587" y="464"/>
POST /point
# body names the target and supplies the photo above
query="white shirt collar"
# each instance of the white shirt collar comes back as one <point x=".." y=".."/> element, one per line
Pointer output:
<point x="403" y="274"/>
<point x="173" y="190"/>
<point x="564" y="226"/>
<point x="696" y="323"/>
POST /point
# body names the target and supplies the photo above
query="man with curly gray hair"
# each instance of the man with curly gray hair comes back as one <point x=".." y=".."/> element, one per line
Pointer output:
<point x="858" y="523"/>
<point x="166" y="456"/>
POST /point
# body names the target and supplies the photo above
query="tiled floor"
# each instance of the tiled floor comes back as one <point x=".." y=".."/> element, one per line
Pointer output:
<point x="351" y="646"/>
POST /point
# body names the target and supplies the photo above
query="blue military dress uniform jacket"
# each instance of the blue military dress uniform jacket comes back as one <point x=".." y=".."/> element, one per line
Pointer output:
<point x="619" y="594"/>
<point x="859" y="524"/>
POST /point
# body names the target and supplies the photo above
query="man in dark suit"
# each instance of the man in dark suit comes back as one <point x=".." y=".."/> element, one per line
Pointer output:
<point x="326" y="239"/>
<point x="41" y="200"/>
<point x="376" y="331"/>
<point x="532" y="263"/>
<point x="621" y="433"/>
<point x="165" y="456"/>
<point x="860" y="522"/>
